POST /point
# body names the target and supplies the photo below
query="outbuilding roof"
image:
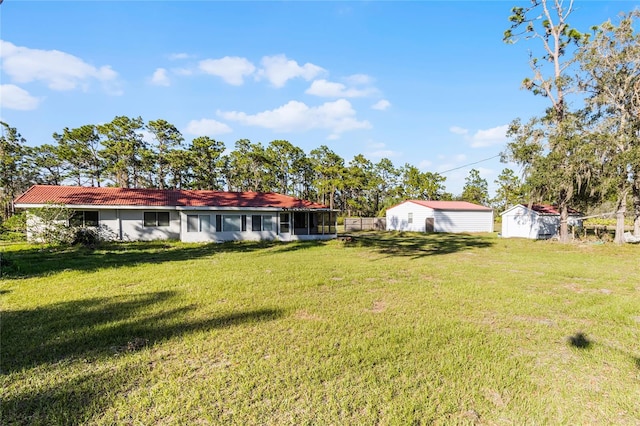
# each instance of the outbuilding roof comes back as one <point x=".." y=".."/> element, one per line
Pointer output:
<point x="545" y="209"/>
<point x="132" y="197"/>
<point x="449" y="205"/>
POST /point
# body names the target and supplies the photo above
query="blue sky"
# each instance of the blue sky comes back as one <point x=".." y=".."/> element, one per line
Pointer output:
<point x="427" y="83"/>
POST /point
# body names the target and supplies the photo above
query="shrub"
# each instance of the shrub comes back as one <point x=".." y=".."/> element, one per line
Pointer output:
<point x="86" y="237"/>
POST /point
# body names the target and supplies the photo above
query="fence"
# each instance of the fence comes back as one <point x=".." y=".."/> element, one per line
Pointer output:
<point x="365" y="224"/>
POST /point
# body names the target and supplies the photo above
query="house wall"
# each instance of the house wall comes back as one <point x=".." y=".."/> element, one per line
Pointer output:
<point x="210" y="233"/>
<point x="133" y="229"/>
<point x="108" y="225"/>
<point x="398" y="217"/>
<point x="128" y="225"/>
<point x="205" y="229"/>
<point x="463" y="221"/>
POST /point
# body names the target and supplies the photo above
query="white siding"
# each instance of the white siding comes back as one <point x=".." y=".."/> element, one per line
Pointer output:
<point x="398" y="217"/>
<point x="133" y="229"/>
<point x="212" y="234"/>
<point x="128" y="225"/>
<point x="548" y="226"/>
<point x="108" y="225"/>
<point x="216" y="235"/>
<point x="463" y="221"/>
<point x="444" y="220"/>
<point x="521" y="222"/>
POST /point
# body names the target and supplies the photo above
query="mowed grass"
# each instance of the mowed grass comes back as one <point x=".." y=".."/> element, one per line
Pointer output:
<point x="383" y="329"/>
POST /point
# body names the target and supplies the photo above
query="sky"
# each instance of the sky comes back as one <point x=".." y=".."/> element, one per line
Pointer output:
<point x="426" y="83"/>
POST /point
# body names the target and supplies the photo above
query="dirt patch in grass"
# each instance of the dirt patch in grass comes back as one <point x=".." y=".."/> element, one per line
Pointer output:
<point x="304" y="315"/>
<point x="377" y="307"/>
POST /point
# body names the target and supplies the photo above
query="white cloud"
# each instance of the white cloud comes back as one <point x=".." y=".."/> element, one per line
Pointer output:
<point x="330" y="89"/>
<point x="182" y="71"/>
<point x="160" y="77"/>
<point x="484" y="137"/>
<point x="359" y="79"/>
<point x="278" y="70"/>
<point x="381" y="105"/>
<point x="14" y="97"/>
<point x="231" y="69"/>
<point x="337" y="116"/>
<point x="384" y="153"/>
<point x="458" y="130"/>
<point x="58" y="70"/>
<point x="378" y="150"/>
<point x="424" y="164"/>
<point x="207" y="127"/>
<point x="490" y="137"/>
<point x="178" y="56"/>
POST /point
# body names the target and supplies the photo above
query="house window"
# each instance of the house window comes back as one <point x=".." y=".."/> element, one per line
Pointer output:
<point x="410" y="218"/>
<point x="198" y="223"/>
<point x="267" y="223"/>
<point x="84" y="219"/>
<point x="156" y="219"/>
<point x="261" y="223"/>
<point x="231" y="223"/>
<point x="284" y="223"/>
<point x="256" y="223"/>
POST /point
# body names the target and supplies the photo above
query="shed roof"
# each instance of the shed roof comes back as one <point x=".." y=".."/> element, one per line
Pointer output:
<point x="545" y="209"/>
<point x="80" y="196"/>
<point x="449" y="205"/>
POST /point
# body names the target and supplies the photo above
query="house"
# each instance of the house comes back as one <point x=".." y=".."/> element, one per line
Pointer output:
<point x="439" y="216"/>
<point x="540" y="221"/>
<point x="186" y="215"/>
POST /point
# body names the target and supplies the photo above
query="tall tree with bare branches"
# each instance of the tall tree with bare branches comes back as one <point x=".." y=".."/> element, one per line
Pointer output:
<point x="548" y="147"/>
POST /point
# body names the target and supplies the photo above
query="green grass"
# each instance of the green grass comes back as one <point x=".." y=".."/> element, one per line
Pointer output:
<point x="383" y="329"/>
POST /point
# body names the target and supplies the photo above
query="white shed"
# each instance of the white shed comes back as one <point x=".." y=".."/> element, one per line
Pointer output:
<point x="439" y="216"/>
<point x="541" y="221"/>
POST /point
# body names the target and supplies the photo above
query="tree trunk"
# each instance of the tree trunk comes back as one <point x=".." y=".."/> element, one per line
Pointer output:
<point x="636" y="208"/>
<point x="622" y="209"/>
<point x="564" y="217"/>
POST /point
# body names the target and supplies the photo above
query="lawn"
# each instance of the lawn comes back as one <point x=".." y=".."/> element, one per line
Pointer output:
<point x="382" y="329"/>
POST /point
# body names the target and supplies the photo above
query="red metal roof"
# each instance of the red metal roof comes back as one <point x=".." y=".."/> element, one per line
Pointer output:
<point x="450" y="205"/>
<point x="550" y="209"/>
<point x="79" y="195"/>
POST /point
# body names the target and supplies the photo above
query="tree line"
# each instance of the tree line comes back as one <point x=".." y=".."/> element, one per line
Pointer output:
<point x="118" y="154"/>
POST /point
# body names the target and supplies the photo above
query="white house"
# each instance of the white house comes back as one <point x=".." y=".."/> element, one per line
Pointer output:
<point x="439" y="216"/>
<point x="541" y="221"/>
<point x="187" y="215"/>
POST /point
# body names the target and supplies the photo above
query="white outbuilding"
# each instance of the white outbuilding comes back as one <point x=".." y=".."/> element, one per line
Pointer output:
<point x="439" y="216"/>
<point x="540" y="221"/>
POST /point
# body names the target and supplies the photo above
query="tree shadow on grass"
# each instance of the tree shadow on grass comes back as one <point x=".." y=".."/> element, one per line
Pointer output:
<point x="67" y="402"/>
<point x="582" y="342"/>
<point x="579" y="341"/>
<point x="42" y="260"/>
<point x="416" y="245"/>
<point x="90" y="331"/>
<point x="101" y="327"/>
